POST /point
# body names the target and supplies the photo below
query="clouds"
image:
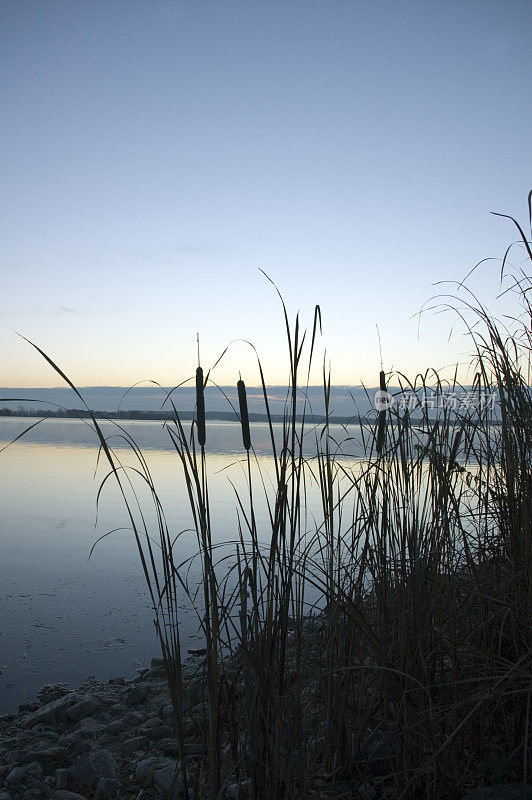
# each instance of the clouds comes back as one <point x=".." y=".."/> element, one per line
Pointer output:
<point x="54" y="311"/>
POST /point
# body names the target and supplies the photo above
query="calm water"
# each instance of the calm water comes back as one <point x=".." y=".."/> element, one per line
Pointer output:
<point x="65" y="616"/>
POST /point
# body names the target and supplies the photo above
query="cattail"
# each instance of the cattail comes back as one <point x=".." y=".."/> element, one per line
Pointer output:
<point x="382" y="418"/>
<point x="244" y="418"/>
<point x="200" y="406"/>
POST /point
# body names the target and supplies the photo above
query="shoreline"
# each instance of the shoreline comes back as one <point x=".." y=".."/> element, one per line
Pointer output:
<point x="116" y="739"/>
<point x="102" y="739"/>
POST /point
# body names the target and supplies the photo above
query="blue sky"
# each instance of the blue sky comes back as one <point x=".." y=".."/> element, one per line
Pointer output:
<point x="157" y="154"/>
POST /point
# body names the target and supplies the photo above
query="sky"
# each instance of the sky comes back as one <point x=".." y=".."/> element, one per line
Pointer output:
<point x="158" y="154"/>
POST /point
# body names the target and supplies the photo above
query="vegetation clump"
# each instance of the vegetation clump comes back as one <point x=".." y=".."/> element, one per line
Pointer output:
<point x="411" y="666"/>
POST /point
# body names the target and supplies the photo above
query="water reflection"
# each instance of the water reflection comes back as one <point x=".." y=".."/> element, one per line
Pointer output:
<point x="65" y="616"/>
<point x="222" y="437"/>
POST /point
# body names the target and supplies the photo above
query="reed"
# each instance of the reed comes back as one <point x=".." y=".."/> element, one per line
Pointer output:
<point x="412" y="668"/>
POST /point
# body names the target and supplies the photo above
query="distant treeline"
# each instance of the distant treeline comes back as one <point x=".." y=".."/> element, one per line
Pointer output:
<point x="220" y="416"/>
<point x="215" y="416"/>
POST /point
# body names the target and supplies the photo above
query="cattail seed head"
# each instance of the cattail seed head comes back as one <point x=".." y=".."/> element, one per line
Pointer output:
<point x="381" y="423"/>
<point x="200" y="407"/>
<point x="244" y="417"/>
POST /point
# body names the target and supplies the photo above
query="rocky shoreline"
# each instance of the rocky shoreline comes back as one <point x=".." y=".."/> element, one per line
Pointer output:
<point x="107" y="739"/>
<point x="116" y="740"/>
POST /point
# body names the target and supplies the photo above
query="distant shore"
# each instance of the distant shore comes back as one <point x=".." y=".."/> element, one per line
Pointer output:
<point x="215" y="416"/>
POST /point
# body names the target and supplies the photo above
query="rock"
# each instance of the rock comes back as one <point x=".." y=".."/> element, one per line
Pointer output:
<point x="89" y="768"/>
<point x="152" y="676"/>
<point x="107" y="789"/>
<point x="12" y="742"/>
<point x="85" y="708"/>
<point x="168" y="712"/>
<point x="90" y="724"/>
<point x="133" y="745"/>
<point x="34" y="768"/>
<point x="15" y="756"/>
<point x="4" y="771"/>
<point x="64" y="794"/>
<point x="162" y="732"/>
<point x="25" y="708"/>
<point x="52" y="691"/>
<point x="61" y="779"/>
<point x="76" y="740"/>
<point x="51" y="712"/>
<point x="5" y="796"/>
<point x="49" y="757"/>
<point x="169" y="778"/>
<point x="32" y="794"/>
<point x="503" y="791"/>
<point x="169" y="746"/>
<point x="117" y="710"/>
<point x="114" y="727"/>
<point x="153" y="722"/>
<point x="146" y="768"/>
<point x="133" y="720"/>
<point x="137" y="694"/>
<point x="156" y="662"/>
<point x="15" y="776"/>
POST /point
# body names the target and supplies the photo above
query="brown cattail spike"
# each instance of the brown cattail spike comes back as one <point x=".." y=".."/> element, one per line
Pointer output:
<point x="381" y="425"/>
<point x="200" y="406"/>
<point x="244" y="417"/>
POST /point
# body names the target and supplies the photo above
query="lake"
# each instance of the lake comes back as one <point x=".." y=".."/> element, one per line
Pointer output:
<point x="65" y="616"/>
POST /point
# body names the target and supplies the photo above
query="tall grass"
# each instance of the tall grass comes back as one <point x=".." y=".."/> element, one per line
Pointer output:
<point x="413" y="668"/>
